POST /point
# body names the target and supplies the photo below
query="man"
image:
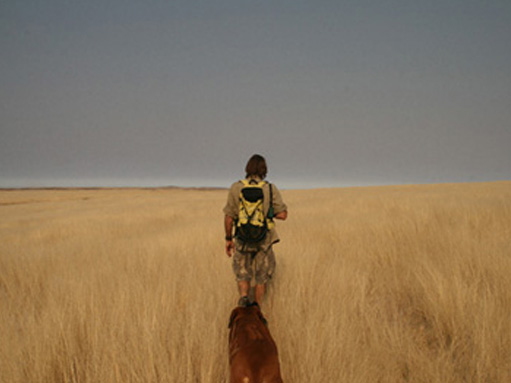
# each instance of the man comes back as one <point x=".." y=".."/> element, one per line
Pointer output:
<point x="253" y="259"/>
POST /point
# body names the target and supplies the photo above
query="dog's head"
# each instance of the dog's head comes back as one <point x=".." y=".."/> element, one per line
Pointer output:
<point x="251" y="310"/>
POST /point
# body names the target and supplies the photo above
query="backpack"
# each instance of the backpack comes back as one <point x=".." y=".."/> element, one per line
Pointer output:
<point x="252" y="225"/>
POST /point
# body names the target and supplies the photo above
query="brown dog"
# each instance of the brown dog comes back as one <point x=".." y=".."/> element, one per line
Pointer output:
<point x="252" y="351"/>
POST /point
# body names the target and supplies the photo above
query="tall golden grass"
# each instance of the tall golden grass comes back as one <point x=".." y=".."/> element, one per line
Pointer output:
<point x="376" y="284"/>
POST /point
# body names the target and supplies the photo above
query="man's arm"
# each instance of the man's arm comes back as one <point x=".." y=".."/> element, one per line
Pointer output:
<point x="228" y="224"/>
<point x="278" y="205"/>
<point x="229" y="243"/>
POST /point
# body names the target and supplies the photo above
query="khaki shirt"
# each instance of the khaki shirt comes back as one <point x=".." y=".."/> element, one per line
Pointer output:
<point x="232" y="207"/>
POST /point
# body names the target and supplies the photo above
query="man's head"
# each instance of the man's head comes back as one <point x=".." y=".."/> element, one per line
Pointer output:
<point x="256" y="166"/>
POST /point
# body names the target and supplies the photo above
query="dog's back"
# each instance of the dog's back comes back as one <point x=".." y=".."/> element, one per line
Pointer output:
<point x="253" y="356"/>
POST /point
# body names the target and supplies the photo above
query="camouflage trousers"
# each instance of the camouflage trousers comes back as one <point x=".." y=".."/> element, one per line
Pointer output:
<point x="259" y="263"/>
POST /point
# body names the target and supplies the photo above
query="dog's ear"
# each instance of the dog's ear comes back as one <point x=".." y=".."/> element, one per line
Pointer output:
<point x="234" y="314"/>
<point x="261" y="316"/>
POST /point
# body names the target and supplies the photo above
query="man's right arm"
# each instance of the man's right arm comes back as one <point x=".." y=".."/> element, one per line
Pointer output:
<point x="278" y="204"/>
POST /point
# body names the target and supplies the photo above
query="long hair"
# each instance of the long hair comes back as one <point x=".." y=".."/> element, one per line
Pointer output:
<point x="256" y="166"/>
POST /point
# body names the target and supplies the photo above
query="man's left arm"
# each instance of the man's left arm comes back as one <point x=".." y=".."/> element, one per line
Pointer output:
<point x="229" y="218"/>
<point x="229" y="243"/>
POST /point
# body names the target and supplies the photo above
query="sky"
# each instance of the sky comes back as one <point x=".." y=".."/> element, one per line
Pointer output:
<point x="183" y="92"/>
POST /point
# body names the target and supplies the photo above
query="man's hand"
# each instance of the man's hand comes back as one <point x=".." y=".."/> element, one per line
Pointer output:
<point x="229" y="247"/>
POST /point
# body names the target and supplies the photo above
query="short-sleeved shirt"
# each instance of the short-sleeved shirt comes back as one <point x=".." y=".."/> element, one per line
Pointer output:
<point x="232" y="206"/>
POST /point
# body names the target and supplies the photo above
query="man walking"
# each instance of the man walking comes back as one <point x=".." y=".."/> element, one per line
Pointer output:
<point x="251" y="206"/>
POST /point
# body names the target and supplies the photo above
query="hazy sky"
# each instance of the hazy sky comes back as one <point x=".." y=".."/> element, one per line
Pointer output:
<point x="332" y="93"/>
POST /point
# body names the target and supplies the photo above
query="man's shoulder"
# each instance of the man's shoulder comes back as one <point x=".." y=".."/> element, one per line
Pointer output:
<point x="239" y="184"/>
<point x="235" y="186"/>
<point x="273" y="186"/>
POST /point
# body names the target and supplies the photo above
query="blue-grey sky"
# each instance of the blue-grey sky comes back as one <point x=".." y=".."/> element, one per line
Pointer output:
<point x="332" y="93"/>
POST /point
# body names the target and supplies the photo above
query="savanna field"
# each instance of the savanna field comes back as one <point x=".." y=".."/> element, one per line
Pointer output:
<point x="376" y="284"/>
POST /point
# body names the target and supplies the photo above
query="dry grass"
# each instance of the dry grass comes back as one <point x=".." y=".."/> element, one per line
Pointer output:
<point x="381" y="284"/>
